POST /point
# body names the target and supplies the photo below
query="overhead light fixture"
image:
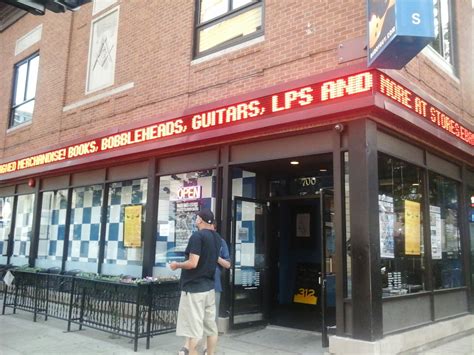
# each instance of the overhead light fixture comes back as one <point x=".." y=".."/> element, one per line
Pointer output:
<point x="415" y="184"/>
<point x="294" y="162"/>
<point x="323" y="170"/>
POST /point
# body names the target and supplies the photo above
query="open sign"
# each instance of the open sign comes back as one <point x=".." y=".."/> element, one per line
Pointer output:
<point x="187" y="193"/>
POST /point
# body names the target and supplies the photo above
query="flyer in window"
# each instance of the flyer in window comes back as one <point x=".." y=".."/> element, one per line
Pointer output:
<point x="412" y="228"/>
<point x="386" y="226"/>
<point x="435" y="231"/>
<point x="132" y="226"/>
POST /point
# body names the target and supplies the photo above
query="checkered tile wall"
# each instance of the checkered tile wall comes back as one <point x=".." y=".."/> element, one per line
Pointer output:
<point x="23" y="231"/>
<point x="52" y="229"/>
<point x="167" y="230"/>
<point x="84" y="230"/>
<point x="118" y="259"/>
<point x="6" y="205"/>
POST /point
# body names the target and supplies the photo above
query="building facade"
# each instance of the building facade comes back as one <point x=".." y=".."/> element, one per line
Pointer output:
<point x="344" y="192"/>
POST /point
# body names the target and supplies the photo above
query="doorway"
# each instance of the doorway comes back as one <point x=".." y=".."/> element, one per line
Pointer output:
<point x="283" y="244"/>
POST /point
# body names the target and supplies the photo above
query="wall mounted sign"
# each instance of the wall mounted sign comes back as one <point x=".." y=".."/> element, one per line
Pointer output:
<point x="398" y="30"/>
<point x="412" y="228"/>
<point x="189" y="193"/>
<point x="132" y="229"/>
<point x="295" y="99"/>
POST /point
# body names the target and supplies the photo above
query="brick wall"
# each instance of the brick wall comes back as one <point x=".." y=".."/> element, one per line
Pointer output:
<point x="154" y="52"/>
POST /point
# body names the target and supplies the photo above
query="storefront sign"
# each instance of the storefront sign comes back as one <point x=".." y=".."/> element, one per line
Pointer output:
<point x="189" y="193"/>
<point x="398" y="30"/>
<point x="132" y="229"/>
<point x="436" y="232"/>
<point x="386" y="227"/>
<point x="412" y="228"/>
<point x="365" y="83"/>
<point x="390" y="88"/>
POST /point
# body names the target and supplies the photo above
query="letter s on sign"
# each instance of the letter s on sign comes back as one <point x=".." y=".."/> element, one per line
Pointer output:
<point x="415" y="18"/>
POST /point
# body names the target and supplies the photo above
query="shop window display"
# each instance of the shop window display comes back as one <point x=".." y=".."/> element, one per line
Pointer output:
<point x="52" y="229"/>
<point x="84" y="230"/>
<point x="181" y="196"/>
<point x="124" y="230"/>
<point x="400" y="226"/>
<point x="445" y="233"/>
<point x="23" y="229"/>
<point x="6" y="205"/>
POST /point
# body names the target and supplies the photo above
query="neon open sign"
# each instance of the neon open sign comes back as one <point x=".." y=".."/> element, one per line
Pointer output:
<point x="250" y="110"/>
<point x="189" y="193"/>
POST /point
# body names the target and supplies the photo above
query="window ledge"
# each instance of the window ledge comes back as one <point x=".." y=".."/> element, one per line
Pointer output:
<point x="439" y="61"/>
<point x="20" y="126"/>
<point x="98" y="97"/>
<point x="225" y="51"/>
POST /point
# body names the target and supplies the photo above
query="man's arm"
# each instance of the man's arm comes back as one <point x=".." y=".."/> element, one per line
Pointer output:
<point x="224" y="263"/>
<point x="224" y="258"/>
<point x="189" y="264"/>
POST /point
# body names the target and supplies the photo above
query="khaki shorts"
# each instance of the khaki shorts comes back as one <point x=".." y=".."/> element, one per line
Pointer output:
<point x="196" y="315"/>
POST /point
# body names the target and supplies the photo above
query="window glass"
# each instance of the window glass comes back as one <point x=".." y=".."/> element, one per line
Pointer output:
<point x="238" y="3"/>
<point x="445" y="234"/>
<point x="181" y="197"/>
<point x="84" y="231"/>
<point x="23" y="229"/>
<point x="32" y="78"/>
<point x="347" y="214"/>
<point x="52" y="229"/>
<point x="6" y="205"/>
<point x="222" y="25"/>
<point x="213" y="8"/>
<point x="21" y="83"/>
<point x="124" y="230"/>
<point x="443" y="36"/>
<point x="26" y="77"/>
<point x="23" y="113"/>
<point x="400" y="226"/>
<point x="471" y="232"/>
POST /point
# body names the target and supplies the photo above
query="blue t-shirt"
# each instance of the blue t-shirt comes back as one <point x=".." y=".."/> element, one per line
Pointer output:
<point x="224" y="254"/>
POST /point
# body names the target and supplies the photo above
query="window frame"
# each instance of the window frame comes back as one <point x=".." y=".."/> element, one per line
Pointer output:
<point x="223" y="17"/>
<point x="13" y="107"/>
<point x="451" y="16"/>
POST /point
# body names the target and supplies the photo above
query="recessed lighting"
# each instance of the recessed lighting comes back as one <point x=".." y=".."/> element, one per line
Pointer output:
<point x="294" y="162"/>
<point x="415" y="184"/>
<point x="323" y="170"/>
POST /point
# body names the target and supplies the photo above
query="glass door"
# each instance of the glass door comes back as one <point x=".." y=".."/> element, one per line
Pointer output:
<point x="249" y="226"/>
<point x="328" y="276"/>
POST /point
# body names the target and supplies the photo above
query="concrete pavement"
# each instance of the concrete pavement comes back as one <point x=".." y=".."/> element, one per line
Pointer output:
<point x="20" y="335"/>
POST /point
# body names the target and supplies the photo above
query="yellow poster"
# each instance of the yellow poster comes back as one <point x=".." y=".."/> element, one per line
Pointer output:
<point x="412" y="228"/>
<point x="132" y="227"/>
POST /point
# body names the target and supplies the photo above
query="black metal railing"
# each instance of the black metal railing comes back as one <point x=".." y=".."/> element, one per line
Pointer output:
<point x="133" y="310"/>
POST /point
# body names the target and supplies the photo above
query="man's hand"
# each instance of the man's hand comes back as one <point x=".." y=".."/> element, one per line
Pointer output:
<point x="173" y="265"/>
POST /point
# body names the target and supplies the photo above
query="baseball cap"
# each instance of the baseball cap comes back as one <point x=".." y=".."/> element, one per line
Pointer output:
<point x="206" y="215"/>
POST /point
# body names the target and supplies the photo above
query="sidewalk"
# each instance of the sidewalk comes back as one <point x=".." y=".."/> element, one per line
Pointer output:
<point x="20" y="335"/>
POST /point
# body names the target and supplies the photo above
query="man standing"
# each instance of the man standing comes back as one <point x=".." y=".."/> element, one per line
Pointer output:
<point x="197" y="312"/>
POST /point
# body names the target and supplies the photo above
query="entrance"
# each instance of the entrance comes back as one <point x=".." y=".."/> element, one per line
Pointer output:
<point x="284" y="245"/>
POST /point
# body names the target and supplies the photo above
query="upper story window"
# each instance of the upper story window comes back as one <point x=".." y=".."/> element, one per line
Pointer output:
<point x="24" y="91"/>
<point x="224" y="23"/>
<point x="443" y="43"/>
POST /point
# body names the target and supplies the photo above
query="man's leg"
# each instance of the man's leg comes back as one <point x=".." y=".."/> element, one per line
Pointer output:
<point x="211" y="344"/>
<point x="192" y="345"/>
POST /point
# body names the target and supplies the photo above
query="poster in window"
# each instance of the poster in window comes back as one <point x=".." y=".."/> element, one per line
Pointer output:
<point x="386" y="226"/>
<point x="435" y="231"/>
<point x="452" y="231"/>
<point x="303" y="225"/>
<point x="185" y="222"/>
<point x="132" y="226"/>
<point x="412" y="228"/>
